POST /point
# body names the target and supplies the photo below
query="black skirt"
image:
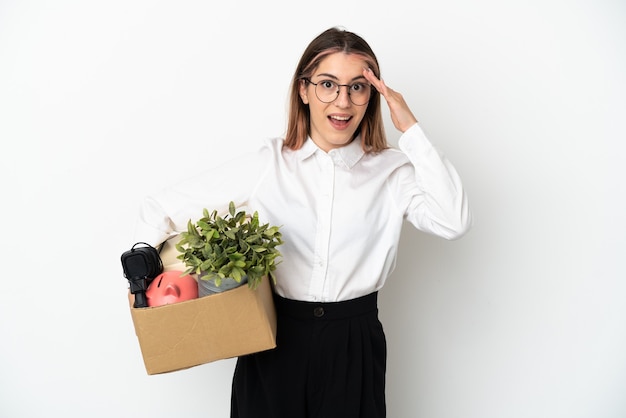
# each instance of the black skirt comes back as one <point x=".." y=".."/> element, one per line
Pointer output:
<point x="330" y="361"/>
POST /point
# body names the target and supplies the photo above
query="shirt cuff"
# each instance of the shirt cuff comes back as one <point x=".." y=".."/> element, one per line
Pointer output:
<point x="415" y="144"/>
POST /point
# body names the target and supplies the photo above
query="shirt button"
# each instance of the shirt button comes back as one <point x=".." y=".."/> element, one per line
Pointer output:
<point x="318" y="312"/>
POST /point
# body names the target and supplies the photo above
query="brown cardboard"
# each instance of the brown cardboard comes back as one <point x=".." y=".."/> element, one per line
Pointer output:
<point x="225" y="325"/>
<point x="220" y="326"/>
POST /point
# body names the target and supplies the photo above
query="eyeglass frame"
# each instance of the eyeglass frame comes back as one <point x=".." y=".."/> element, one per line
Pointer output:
<point x="339" y="86"/>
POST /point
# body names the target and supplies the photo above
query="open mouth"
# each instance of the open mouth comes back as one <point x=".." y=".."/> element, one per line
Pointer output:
<point x="339" y="122"/>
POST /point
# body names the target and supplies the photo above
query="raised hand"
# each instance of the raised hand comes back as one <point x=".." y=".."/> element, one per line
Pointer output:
<point x="401" y="115"/>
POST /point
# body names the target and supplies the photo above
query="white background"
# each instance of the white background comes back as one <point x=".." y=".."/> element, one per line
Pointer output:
<point x="102" y="102"/>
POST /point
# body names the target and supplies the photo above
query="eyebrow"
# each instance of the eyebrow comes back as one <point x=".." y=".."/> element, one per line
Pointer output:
<point x="360" y="77"/>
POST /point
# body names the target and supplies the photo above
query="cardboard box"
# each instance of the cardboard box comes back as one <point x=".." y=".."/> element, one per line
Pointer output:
<point x="220" y="326"/>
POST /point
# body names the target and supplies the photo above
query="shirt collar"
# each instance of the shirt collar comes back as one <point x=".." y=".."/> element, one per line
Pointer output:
<point x="348" y="155"/>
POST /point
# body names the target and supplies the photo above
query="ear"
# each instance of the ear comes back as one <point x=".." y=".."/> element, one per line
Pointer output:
<point x="303" y="92"/>
<point x="172" y="290"/>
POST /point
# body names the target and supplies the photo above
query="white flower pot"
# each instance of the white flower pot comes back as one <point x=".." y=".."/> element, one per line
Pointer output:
<point x="207" y="286"/>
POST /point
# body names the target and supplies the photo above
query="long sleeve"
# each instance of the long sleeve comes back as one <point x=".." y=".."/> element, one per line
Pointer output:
<point x="437" y="203"/>
<point x="166" y="212"/>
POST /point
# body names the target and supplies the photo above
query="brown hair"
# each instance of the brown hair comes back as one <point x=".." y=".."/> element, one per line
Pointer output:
<point x="329" y="42"/>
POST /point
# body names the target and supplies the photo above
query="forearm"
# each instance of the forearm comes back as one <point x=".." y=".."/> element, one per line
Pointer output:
<point x="440" y="204"/>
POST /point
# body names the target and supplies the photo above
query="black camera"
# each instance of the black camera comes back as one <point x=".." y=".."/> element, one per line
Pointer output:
<point x="141" y="265"/>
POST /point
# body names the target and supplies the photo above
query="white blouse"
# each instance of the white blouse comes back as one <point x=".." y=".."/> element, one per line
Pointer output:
<point x="340" y="212"/>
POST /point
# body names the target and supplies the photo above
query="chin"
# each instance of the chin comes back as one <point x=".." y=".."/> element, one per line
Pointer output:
<point x="343" y="139"/>
<point x="340" y="143"/>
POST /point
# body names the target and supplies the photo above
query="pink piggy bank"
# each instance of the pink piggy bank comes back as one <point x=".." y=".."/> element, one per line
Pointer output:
<point x="171" y="287"/>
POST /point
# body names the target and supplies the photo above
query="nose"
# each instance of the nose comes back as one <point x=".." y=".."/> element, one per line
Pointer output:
<point x="343" y="97"/>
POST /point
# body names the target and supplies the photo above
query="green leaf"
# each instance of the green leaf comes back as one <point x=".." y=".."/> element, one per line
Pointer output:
<point x="235" y="245"/>
<point x="253" y="238"/>
<point x="236" y="274"/>
<point x="206" y="265"/>
<point x="203" y="225"/>
<point x="241" y="216"/>
<point x="254" y="222"/>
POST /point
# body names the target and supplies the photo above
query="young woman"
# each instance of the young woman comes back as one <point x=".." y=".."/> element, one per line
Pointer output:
<point x="340" y="194"/>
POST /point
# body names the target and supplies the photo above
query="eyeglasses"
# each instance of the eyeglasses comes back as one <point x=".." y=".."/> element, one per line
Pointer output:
<point x="328" y="91"/>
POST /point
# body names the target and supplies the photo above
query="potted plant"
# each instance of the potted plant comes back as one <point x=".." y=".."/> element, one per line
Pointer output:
<point x="226" y="252"/>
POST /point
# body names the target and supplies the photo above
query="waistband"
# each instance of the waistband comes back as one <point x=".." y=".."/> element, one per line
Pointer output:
<point x="326" y="310"/>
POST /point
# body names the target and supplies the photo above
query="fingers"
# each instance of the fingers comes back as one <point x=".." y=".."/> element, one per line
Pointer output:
<point x="401" y="115"/>
<point x="389" y="94"/>
<point x="378" y="84"/>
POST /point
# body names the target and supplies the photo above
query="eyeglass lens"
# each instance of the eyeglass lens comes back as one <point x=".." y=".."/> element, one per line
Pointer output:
<point x="328" y="91"/>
